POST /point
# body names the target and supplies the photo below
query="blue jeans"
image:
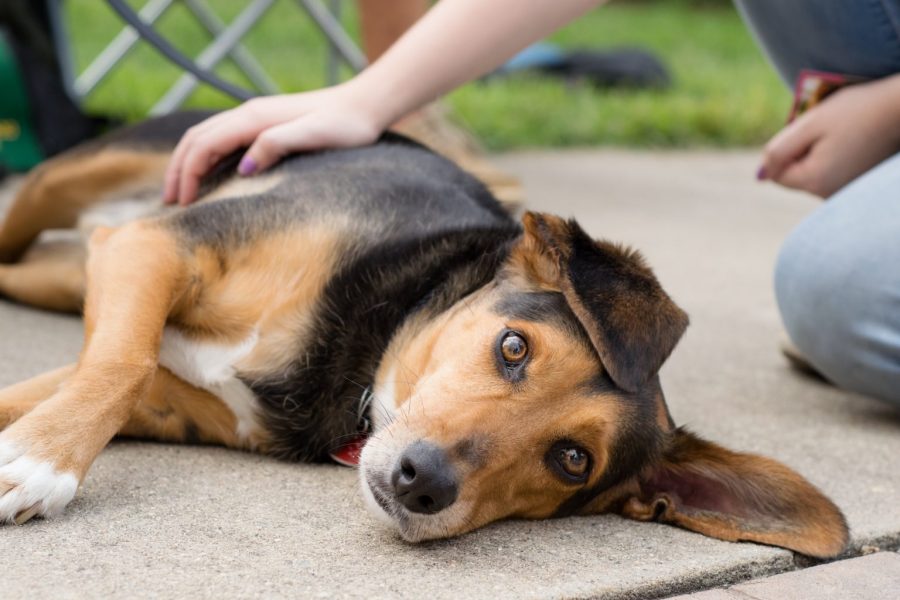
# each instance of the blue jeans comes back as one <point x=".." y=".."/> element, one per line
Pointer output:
<point x="837" y="280"/>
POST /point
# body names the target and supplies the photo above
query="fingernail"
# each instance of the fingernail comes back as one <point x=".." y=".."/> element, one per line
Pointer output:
<point x="247" y="166"/>
<point x="761" y="174"/>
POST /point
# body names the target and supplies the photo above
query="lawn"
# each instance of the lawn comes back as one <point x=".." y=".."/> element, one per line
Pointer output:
<point x="724" y="93"/>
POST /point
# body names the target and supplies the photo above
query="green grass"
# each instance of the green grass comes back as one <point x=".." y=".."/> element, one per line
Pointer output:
<point x="724" y="94"/>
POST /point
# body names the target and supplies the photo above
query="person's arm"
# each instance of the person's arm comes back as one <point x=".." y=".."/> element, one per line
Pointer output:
<point x="838" y="140"/>
<point x="458" y="40"/>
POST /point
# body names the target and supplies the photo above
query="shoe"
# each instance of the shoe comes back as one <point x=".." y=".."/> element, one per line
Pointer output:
<point x="799" y="362"/>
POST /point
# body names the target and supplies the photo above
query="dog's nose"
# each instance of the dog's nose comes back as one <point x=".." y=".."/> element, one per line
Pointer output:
<point x="423" y="479"/>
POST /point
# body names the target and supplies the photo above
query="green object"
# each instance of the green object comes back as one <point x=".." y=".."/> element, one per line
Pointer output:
<point x="19" y="148"/>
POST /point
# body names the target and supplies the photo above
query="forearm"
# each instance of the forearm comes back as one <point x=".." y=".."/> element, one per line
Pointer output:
<point x="383" y="22"/>
<point x="457" y="41"/>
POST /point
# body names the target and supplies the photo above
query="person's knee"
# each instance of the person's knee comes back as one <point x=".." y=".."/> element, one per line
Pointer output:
<point x="804" y="287"/>
<point x="836" y="308"/>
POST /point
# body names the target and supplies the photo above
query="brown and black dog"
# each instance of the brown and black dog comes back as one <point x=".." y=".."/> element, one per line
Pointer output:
<point x="506" y="369"/>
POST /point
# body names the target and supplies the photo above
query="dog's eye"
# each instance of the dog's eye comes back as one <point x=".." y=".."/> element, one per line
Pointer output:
<point x="511" y="353"/>
<point x="513" y="348"/>
<point x="574" y="461"/>
<point x="570" y="460"/>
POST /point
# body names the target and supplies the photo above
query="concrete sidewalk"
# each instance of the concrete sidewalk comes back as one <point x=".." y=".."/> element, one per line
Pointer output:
<point x="872" y="577"/>
<point x="185" y="522"/>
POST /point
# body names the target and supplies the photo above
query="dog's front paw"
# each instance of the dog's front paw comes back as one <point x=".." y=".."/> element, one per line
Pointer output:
<point x="30" y="487"/>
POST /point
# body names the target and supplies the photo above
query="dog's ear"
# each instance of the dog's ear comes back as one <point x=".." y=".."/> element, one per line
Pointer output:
<point x="733" y="496"/>
<point x="632" y="322"/>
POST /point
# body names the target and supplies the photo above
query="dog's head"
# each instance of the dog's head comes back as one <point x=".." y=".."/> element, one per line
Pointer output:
<point x="538" y="396"/>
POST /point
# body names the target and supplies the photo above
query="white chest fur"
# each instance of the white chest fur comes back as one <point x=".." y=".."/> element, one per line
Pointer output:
<point x="211" y="366"/>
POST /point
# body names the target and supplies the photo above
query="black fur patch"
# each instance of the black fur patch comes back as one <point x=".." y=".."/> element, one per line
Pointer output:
<point x="637" y="322"/>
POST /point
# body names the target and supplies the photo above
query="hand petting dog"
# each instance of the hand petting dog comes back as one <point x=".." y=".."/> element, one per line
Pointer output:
<point x="272" y="127"/>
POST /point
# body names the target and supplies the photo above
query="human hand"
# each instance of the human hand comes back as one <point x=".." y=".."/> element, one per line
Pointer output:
<point x="272" y="127"/>
<point x="838" y="140"/>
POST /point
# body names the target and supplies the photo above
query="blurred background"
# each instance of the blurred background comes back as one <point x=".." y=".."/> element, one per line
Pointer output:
<point x="722" y="94"/>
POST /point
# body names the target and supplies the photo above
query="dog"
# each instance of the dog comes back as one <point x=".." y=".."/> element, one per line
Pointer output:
<point x="501" y="368"/>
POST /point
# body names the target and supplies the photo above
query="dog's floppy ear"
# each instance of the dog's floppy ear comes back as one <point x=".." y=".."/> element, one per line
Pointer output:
<point x="632" y="322"/>
<point x="733" y="496"/>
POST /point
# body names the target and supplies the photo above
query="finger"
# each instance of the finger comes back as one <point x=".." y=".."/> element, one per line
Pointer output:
<point x="789" y="145"/>
<point x="275" y="142"/>
<point x="805" y="174"/>
<point x="204" y="151"/>
<point x="192" y="156"/>
<point x="812" y="175"/>
<point x="229" y="118"/>
<point x="795" y="175"/>
<point x="173" y="170"/>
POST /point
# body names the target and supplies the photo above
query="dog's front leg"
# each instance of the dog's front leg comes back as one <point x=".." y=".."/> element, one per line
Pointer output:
<point x="136" y="275"/>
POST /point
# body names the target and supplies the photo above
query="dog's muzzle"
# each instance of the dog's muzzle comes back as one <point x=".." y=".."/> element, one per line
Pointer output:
<point x="423" y="479"/>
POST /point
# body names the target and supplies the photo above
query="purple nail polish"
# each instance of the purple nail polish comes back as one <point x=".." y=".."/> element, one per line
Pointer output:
<point x="761" y="174"/>
<point x="247" y="166"/>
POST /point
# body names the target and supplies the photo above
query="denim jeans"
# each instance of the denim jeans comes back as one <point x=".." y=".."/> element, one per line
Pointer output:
<point x="837" y="280"/>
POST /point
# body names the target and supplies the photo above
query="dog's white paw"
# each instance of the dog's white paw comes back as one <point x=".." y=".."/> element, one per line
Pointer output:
<point x="30" y="488"/>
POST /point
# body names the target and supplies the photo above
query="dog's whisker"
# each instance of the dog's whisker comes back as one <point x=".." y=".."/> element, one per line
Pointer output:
<point x="356" y="383"/>
<point x="408" y="373"/>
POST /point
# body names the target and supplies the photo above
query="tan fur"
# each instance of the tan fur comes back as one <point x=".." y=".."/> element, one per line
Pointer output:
<point x="531" y="265"/>
<point x="174" y="411"/>
<point x="49" y="276"/>
<point x="17" y="400"/>
<point x="244" y="186"/>
<point x="409" y="353"/>
<point x="227" y="304"/>
<point x="56" y="193"/>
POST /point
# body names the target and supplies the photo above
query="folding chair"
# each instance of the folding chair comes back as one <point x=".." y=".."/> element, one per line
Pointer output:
<point x="226" y="42"/>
